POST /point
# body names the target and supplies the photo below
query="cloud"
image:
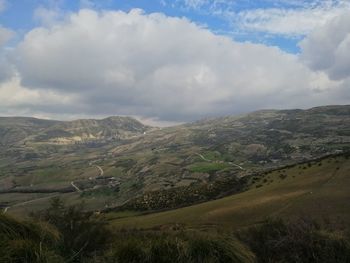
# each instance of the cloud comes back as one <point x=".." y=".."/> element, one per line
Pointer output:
<point x="195" y="4"/>
<point x="294" y="21"/>
<point x="5" y="35"/>
<point x="18" y="100"/>
<point x="327" y="48"/>
<point x="87" y="4"/>
<point x="3" y="5"/>
<point x="288" y="18"/>
<point x="156" y="67"/>
<point x="5" y="66"/>
<point x="47" y="16"/>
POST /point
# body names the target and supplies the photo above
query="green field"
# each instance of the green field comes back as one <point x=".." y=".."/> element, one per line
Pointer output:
<point x="318" y="190"/>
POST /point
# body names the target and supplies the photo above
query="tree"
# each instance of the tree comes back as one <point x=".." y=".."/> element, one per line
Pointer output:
<point x="81" y="232"/>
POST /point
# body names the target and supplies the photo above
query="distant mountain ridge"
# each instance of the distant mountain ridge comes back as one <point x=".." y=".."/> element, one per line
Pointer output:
<point x="16" y="130"/>
<point x="317" y="120"/>
<point x="115" y="159"/>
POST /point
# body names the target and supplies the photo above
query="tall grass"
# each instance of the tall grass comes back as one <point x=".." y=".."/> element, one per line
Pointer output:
<point x="27" y="241"/>
<point x="67" y="234"/>
<point x="302" y="240"/>
<point x="169" y="247"/>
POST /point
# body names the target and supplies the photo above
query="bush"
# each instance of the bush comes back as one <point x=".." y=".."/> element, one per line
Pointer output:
<point x="301" y="241"/>
<point x="27" y="241"/>
<point x="27" y="250"/>
<point x="218" y="250"/>
<point x="183" y="247"/>
<point x="78" y="240"/>
<point x="81" y="232"/>
<point x="274" y="240"/>
<point x="283" y="176"/>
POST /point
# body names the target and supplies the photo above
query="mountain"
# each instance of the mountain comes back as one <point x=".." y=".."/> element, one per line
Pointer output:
<point x="285" y="134"/>
<point x="119" y="161"/>
<point x="17" y="130"/>
<point x="112" y="128"/>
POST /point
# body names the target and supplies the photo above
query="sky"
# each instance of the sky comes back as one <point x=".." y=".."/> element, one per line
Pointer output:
<point x="167" y="62"/>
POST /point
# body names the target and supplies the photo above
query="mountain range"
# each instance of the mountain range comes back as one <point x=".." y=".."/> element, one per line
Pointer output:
<point x="112" y="162"/>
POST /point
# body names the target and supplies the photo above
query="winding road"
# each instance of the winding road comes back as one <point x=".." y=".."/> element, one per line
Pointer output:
<point x="207" y="160"/>
<point x="76" y="187"/>
<point x="100" y="169"/>
<point x="29" y="201"/>
<point x="101" y="173"/>
<point x="240" y="167"/>
<point x="203" y="158"/>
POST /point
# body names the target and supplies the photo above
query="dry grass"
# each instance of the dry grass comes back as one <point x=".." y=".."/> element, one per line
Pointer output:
<point x="318" y="191"/>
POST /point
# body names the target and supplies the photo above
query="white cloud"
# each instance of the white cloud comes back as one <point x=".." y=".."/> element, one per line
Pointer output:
<point x="195" y="4"/>
<point x="290" y="22"/>
<point x="155" y="67"/>
<point x="18" y="100"/>
<point x="47" y="16"/>
<point x="5" y="35"/>
<point x="3" y="5"/>
<point x="328" y="48"/>
<point x="290" y="18"/>
<point x="87" y="4"/>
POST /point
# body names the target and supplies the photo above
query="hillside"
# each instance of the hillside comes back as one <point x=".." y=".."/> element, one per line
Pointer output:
<point x="110" y="162"/>
<point x="307" y="207"/>
<point x="317" y="190"/>
<point x="14" y="130"/>
<point x="80" y="131"/>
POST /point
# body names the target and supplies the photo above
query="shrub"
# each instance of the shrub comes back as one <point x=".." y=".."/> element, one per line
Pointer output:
<point x="27" y="241"/>
<point x="203" y="249"/>
<point x="81" y="232"/>
<point x="300" y="241"/>
<point x="167" y="247"/>
<point x="283" y="176"/>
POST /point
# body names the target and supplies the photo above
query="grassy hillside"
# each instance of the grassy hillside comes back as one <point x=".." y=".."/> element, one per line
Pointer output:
<point x="67" y="234"/>
<point x="318" y="189"/>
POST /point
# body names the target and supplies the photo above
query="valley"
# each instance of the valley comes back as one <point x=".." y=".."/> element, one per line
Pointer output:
<point x="111" y="163"/>
<point x="229" y="189"/>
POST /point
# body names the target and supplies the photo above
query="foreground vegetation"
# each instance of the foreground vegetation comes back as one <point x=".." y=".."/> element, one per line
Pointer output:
<point x="67" y="234"/>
